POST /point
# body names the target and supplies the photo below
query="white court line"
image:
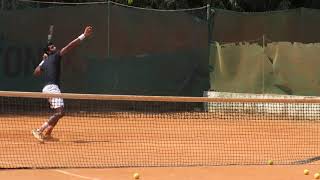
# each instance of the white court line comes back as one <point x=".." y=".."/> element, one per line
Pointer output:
<point x="75" y="175"/>
<point x="60" y="171"/>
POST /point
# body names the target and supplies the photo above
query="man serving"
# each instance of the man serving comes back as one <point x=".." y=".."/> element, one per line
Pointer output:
<point x="51" y="67"/>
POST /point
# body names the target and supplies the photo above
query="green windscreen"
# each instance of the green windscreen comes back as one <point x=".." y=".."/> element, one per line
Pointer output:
<point x="132" y="50"/>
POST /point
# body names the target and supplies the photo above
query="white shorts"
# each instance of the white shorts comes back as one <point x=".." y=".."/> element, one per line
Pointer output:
<point x="54" y="102"/>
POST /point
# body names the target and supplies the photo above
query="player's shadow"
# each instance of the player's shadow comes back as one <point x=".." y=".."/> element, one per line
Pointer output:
<point x="52" y="139"/>
<point x="92" y="141"/>
<point x="306" y="161"/>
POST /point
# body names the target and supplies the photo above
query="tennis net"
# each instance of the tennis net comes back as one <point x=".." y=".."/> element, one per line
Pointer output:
<point x="151" y="131"/>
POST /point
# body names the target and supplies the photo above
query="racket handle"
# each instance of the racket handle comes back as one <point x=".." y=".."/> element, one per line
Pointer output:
<point x="49" y="37"/>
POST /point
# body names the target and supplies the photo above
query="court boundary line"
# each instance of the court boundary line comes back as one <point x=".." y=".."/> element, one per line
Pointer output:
<point x="74" y="175"/>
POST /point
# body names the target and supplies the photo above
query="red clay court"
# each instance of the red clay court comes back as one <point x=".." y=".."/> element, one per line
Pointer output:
<point x="169" y="173"/>
<point x="107" y="139"/>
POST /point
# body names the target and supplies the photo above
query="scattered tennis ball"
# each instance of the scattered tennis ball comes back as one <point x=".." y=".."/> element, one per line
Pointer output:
<point x="136" y="175"/>
<point x="130" y="2"/>
<point x="316" y="176"/>
<point x="306" y="172"/>
<point x="270" y="162"/>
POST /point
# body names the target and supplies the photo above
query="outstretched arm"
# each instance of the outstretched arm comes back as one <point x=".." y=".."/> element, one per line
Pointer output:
<point x="37" y="71"/>
<point x="76" y="42"/>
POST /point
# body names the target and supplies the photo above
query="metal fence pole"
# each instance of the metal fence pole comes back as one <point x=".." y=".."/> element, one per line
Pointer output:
<point x="108" y="29"/>
<point x="209" y="23"/>
<point x="14" y="4"/>
<point x="2" y="4"/>
<point x="208" y="12"/>
<point x="263" y="46"/>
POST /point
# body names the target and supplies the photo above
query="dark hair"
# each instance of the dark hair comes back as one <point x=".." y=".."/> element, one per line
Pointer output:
<point x="46" y="48"/>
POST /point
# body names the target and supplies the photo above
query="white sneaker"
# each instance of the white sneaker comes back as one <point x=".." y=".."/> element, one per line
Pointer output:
<point x="37" y="135"/>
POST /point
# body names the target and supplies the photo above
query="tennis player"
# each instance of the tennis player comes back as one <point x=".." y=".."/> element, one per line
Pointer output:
<point x="50" y="66"/>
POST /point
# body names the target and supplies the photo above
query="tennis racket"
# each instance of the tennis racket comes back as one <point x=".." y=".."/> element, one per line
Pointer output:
<point x="50" y="34"/>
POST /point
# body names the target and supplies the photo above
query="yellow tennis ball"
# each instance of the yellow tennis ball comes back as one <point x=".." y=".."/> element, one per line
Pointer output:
<point x="306" y="172"/>
<point x="316" y="176"/>
<point x="136" y="176"/>
<point x="270" y="162"/>
<point x="130" y="2"/>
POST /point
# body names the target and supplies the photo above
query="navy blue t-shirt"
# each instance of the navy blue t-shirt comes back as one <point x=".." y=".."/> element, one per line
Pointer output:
<point x="51" y="69"/>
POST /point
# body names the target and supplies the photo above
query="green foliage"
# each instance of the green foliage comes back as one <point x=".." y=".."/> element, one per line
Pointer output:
<point x="236" y="5"/>
<point x="263" y="5"/>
